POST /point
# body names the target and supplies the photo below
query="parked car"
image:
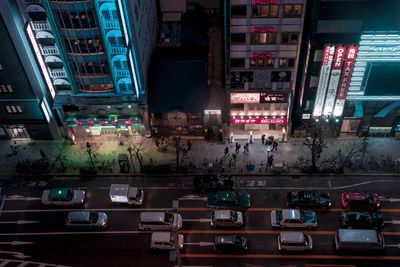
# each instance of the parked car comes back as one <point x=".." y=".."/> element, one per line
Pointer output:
<point x="308" y="199"/>
<point x="293" y="219"/>
<point x="226" y="218"/>
<point x="359" y="240"/>
<point x="63" y="197"/>
<point x="164" y="240"/>
<point x="234" y="244"/>
<point x="360" y="200"/>
<point x="362" y="220"/>
<point x="294" y="241"/>
<point x="212" y="183"/>
<point x="228" y="200"/>
<point x="126" y="194"/>
<point x="86" y="220"/>
<point x="159" y="221"/>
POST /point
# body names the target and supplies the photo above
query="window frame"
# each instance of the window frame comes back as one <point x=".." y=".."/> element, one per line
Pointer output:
<point x="268" y="36"/>
<point x="292" y="14"/>
<point x="256" y="11"/>
<point x="290" y="38"/>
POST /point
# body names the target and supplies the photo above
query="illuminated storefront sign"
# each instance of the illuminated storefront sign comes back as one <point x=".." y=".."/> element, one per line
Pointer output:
<point x="255" y="120"/>
<point x="245" y="98"/>
<point x="334" y="79"/>
<point x="263" y="29"/>
<point x="323" y="79"/>
<point x="265" y="2"/>
<point x="273" y="97"/>
<point x="39" y="58"/>
<point x="345" y="80"/>
<point x="102" y="121"/>
<point x="261" y="55"/>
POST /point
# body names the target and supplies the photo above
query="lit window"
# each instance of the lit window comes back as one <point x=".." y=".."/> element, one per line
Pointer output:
<point x="14" y="109"/>
<point x="6" y="88"/>
<point x="291" y="10"/>
<point x="265" y="10"/>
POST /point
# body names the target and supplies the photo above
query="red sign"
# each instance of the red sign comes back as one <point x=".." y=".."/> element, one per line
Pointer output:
<point x="338" y="58"/>
<point x="263" y="29"/>
<point x="261" y="55"/>
<point x="273" y="97"/>
<point x="346" y="72"/>
<point x="254" y="120"/>
<point x="265" y="2"/>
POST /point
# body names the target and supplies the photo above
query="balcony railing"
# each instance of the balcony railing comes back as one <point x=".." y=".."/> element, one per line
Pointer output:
<point x="40" y="25"/>
<point x="123" y="73"/>
<point x="112" y="24"/>
<point x="118" y="50"/>
<point x="49" y="50"/>
<point x="58" y="73"/>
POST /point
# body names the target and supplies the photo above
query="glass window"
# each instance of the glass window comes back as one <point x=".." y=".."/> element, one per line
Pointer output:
<point x="262" y="62"/>
<point x="289" y="38"/>
<point x="237" y="62"/>
<point x="238" y="11"/>
<point x="263" y="38"/>
<point x="286" y="62"/>
<point x="292" y="10"/>
<point x="76" y="20"/>
<point x="238" y="38"/>
<point x="265" y="11"/>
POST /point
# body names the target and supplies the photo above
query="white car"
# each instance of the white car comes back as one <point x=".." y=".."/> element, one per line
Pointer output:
<point x="63" y="197"/>
<point x="125" y="194"/>
<point x="226" y="218"/>
<point x="293" y="219"/>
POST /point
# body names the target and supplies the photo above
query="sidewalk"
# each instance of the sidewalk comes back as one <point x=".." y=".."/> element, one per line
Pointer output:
<point x="204" y="155"/>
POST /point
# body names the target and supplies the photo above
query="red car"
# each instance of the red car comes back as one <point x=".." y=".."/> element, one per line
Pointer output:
<point x="360" y="200"/>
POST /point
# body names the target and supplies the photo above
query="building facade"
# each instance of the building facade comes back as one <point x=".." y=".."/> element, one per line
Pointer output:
<point x="351" y="66"/>
<point x="262" y="47"/>
<point x="93" y="58"/>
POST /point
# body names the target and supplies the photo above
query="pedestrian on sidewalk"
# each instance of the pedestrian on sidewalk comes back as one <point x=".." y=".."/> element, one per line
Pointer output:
<point x="189" y="145"/>
<point x="42" y="154"/>
<point x="270" y="160"/>
<point x="274" y="146"/>
<point x="226" y="151"/>
<point x="157" y="142"/>
<point x="263" y="138"/>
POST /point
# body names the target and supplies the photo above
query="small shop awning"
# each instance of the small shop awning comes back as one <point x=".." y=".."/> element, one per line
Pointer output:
<point x="383" y="112"/>
<point x="112" y="120"/>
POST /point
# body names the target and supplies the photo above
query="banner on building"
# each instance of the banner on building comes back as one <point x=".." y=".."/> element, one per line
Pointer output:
<point x="273" y="97"/>
<point x="263" y="29"/>
<point x="323" y="79"/>
<point x="245" y="98"/>
<point x="337" y="64"/>
<point x="254" y="120"/>
<point x="261" y="55"/>
<point x="265" y="2"/>
<point x="345" y="79"/>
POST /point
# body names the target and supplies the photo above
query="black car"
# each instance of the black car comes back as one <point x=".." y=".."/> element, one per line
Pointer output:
<point x="308" y="199"/>
<point x="361" y="220"/>
<point x="212" y="183"/>
<point x="234" y="244"/>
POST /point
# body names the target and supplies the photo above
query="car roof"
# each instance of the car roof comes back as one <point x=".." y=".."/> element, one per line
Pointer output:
<point x="357" y="195"/>
<point x="59" y="192"/>
<point x="161" y="236"/>
<point x="119" y="189"/>
<point x="292" y="237"/>
<point x="358" y="235"/>
<point x="291" y="214"/>
<point x="150" y="216"/>
<point x="224" y="239"/>
<point x="222" y="214"/>
<point x="225" y="195"/>
<point x="78" y="215"/>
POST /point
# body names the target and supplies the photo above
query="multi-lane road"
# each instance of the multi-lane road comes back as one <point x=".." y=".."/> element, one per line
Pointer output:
<point x="33" y="235"/>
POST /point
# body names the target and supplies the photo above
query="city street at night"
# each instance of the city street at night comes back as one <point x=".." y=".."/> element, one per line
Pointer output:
<point x="33" y="233"/>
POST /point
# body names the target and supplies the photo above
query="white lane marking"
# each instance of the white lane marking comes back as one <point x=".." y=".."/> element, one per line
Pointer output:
<point x="24" y="263"/>
<point x="197" y="220"/>
<point x="76" y="233"/>
<point x="393" y="221"/>
<point x="18" y="197"/>
<point x="16" y="243"/>
<point x="329" y="183"/>
<point x="4" y="263"/>
<point x="16" y="254"/>
<point x="18" y="222"/>
<point x="390" y="199"/>
<point x="193" y="266"/>
<point x="393" y="245"/>
<point x="66" y="210"/>
<point x="152" y="187"/>
<point x="193" y="197"/>
<point x="201" y="244"/>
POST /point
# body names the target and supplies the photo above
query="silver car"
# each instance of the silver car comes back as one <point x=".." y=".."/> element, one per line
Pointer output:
<point x="294" y="241"/>
<point x="226" y="218"/>
<point x="86" y="220"/>
<point x="63" y="197"/>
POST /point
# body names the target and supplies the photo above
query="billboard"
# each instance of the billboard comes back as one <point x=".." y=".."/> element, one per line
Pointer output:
<point x="254" y="120"/>
<point x="263" y="29"/>
<point x="323" y="79"/>
<point x="334" y="79"/>
<point x="245" y="98"/>
<point x="345" y="79"/>
<point x="273" y="97"/>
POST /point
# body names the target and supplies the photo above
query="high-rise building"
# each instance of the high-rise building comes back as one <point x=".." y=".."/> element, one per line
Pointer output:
<point x="262" y="45"/>
<point x="93" y="58"/>
<point x="24" y="111"/>
<point x="351" y="65"/>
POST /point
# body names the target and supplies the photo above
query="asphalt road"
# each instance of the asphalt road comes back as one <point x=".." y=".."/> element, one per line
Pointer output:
<point x="33" y="235"/>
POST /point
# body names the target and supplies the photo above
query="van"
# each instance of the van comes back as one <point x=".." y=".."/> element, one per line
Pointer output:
<point x="294" y="241"/>
<point x="164" y="240"/>
<point x="359" y="239"/>
<point x="159" y="221"/>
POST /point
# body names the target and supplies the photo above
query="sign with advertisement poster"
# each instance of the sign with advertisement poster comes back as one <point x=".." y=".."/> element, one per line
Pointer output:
<point x="261" y="55"/>
<point x="281" y="76"/>
<point x="265" y="2"/>
<point x="337" y="64"/>
<point x="273" y="97"/>
<point x="245" y="98"/>
<point x="241" y="76"/>
<point x="263" y="29"/>
<point x="323" y="79"/>
<point x="254" y="120"/>
<point x="345" y="79"/>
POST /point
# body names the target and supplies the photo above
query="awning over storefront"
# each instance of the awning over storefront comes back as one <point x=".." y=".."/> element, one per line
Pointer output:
<point x="383" y="112"/>
<point x="103" y="121"/>
<point x="358" y="109"/>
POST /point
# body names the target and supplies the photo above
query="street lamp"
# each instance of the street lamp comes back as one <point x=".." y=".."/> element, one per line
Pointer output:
<point x="269" y="149"/>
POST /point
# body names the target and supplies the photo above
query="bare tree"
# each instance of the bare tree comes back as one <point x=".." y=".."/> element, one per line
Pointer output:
<point x="318" y="133"/>
<point x="58" y="153"/>
<point x="345" y="158"/>
<point x="178" y="150"/>
<point x="137" y="150"/>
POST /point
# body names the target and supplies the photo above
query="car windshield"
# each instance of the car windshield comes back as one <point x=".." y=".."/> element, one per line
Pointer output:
<point x="238" y="240"/>
<point x="234" y="215"/>
<point x="169" y="217"/>
<point x="93" y="217"/>
<point x="139" y="194"/>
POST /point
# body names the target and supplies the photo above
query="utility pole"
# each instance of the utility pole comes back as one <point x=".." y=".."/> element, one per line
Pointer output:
<point x="89" y="151"/>
<point x="175" y="255"/>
